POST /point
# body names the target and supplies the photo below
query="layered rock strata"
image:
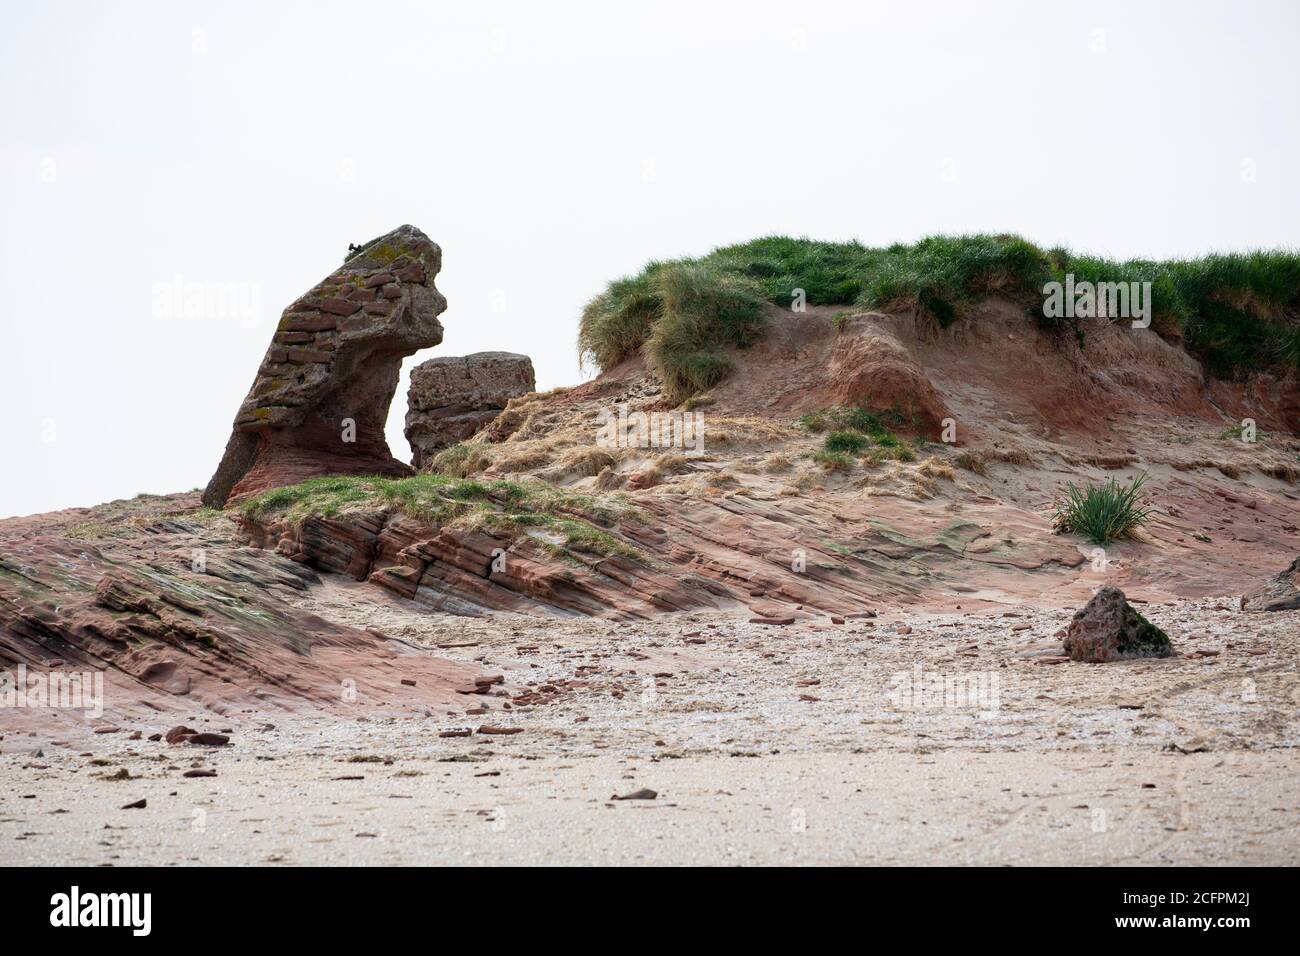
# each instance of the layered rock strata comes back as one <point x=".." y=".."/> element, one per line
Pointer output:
<point x="452" y="397"/>
<point x="320" y="400"/>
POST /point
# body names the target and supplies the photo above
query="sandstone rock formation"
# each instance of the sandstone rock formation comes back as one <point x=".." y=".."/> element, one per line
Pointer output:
<point x="1108" y="629"/>
<point x="321" y="396"/>
<point x="873" y="369"/>
<point x="452" y="397"/>
<point x="697" y="553"/>
<point x="1281" y="592"/>
<point x="176" y="618"/>
<point x="475" y="572"/>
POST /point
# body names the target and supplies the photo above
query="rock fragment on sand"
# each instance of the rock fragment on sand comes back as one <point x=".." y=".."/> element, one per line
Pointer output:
<point x="1281" y="592"/>
<point x="210" y="740"/>
<point x="1108" y="628"/>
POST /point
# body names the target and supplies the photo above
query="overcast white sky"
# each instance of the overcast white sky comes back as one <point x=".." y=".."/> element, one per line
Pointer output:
<point x="549" y="147"/>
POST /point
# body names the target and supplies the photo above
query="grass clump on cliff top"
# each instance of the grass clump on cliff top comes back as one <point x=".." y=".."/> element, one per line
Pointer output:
<point x="1238" y="312"/>
<point x="1103" y="513"/>
<point x="681" y="315"/>
<point x="509" y="508"/>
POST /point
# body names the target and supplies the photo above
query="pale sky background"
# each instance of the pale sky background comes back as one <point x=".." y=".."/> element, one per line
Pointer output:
<point x="550" y="147"/>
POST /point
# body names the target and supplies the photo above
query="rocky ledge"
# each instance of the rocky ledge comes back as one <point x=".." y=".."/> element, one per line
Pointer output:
<point x="176" y="616"/>
<point x="1281" y="592"/>
<point x="476" y="572"/>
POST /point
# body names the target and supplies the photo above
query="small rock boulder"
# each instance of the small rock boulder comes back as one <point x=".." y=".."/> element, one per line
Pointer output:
<point x="1108" y="628"/>
<point x="452" y="397"/>
<point x="1281" y="592"/>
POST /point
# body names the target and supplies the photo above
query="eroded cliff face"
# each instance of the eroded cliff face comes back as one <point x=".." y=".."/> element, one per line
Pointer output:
<point x="754" y="520"/>
<point x="751" y="524"/>
<point x="320" y="399"/>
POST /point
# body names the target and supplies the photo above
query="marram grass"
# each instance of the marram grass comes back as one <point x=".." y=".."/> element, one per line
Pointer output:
<point x="1238" y="312"/>
<point x="1103" y="513"/>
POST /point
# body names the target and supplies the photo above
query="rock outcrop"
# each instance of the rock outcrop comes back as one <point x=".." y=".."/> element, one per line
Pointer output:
<point x="1108" y="628"/>
<point x="1281" y="592"/>
<point x="175" y="618"/>
<point x="320" y="400"/>
<point x="695" y="553"/>
<point x="452" y="397"/>
<point x="476" y="573"/>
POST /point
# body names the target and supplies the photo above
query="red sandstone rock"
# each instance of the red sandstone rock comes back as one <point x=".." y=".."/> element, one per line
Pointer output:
<point x="320" y="407"/>
<point x="170" y="639"/>
<point x="209" y="740"/>
<point x="452" y="570"/>
<point x="1107" y="629"/>
<point x="874" y="370"/>
<point x="452" y="397"/>
<point x="1279" y="593"/>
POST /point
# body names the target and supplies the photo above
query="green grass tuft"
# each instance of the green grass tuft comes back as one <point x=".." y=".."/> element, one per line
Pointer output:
<point x="504" y="507"/>
<point x="849" y="442"/>
<point x="1103" y="513"/>
<point x="836" y="461"/>
<point x="817" y="421"/>
<point x="681" y="315"/>
<point x="855" y="430"/>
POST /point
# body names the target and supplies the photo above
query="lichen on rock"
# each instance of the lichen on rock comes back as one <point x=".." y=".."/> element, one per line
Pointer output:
<point x="1108" y="628"/>
<point x="320" y="400"/>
